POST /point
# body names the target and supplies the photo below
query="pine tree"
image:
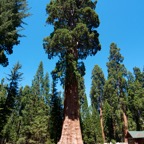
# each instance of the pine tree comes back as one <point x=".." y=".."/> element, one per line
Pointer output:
<point x="96" y="93"/>
<point x="12" y="127"/>
<point x="136" y="102"/>
<point x="87" y="131"/>
<point x="56" y="113"/>
<point x="3" y="95"/>
<point x="34" y="111"/>
<point x="131" y="95"/>
<point x="97" y="86"/>
<point x="11" y="99"/>
<point x="12" y="14"/>
<point x="108" y="121"/>
<point x="26" y="114"/>
<point x="96" y="125"/>
<point x="74" y="38"/>
<point x="90" y="123"/>
<point x="115" y="92"/>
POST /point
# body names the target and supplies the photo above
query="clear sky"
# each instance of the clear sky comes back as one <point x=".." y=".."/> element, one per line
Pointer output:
<point x="122" y="22"/>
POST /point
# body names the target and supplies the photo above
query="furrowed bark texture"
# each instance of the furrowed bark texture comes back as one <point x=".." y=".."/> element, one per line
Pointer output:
<point x="71" y="131"/>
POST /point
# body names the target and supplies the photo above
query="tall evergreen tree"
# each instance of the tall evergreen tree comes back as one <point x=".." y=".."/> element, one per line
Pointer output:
<point x="90" y="123"/>
<point x="108" y="121"/>
<point x="56" y="113"/>
<point x="35" y="110"/>
<point x="74" y="38"/>
<point x="12" y="93"/>
<point x="96" y="125"/>
<point x="115" y="92"/>
<point x="87" y="131"/>
<point x="12" y="127"/>
<point x="3" y="95"/>
<point x="97" y="86"/>
<point x="12" y="14"/>
<point x="131" y="94"/>
<point x="96" y="93"/>
<point x="136" y="99"/>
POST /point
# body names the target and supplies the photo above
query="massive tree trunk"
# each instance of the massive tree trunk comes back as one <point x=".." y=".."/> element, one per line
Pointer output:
<point x="71" y="131"/>
<point x="101" y="122"/>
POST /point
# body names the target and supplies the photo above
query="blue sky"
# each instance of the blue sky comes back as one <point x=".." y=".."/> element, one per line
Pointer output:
<point x="122" y="22"/>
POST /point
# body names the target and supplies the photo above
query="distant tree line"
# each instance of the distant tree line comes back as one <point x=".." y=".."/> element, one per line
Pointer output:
<point x="34" y="114"/>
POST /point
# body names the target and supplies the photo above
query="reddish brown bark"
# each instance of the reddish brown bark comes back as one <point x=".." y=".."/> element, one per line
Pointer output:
<point x="125" y="126"/>
<point x="101" y="122"/>
<point x="71" y="131"/>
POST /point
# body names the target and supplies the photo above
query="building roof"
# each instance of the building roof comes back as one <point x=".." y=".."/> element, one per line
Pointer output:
<point x="136" y="134"/>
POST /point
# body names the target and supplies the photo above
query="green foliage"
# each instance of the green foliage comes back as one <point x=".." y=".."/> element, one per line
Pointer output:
<point x="115" y="94"/>
<point x="35" y="110"/>
<point x="75" y="36"/>
<point x="136" y="99"/>
<point x="97" y="86"/>
<point x="56" y="114"/>
<point x="25" y="112"/>
<point x="108" y="121"/>
<point x="33" y="115"/>
<point x="12" y="14"/>
<point x="3" y="94"/>
<point x="10" y="104"/>
<point x="90" y="124"/>
<point x="90" y="120"/>
<point x="73" y="39"/>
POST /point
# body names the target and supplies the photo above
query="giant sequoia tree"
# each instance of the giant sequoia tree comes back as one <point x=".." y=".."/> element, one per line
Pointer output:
<point x="11" y="19"/>
<point x="73" y="39"/>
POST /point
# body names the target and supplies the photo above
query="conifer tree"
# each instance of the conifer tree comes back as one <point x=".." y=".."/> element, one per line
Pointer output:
<point x="87" y="132"/>
<point x="25" y="114"/>
<point x="81" y="90"/>
<point x="3" y="95"/>
<point x="56" y="113"/>
<point x="96" y="93"/>
<point x="115" y="92"/>
<point x="90" y="123"/>
<point x="12" y="14"/>
<point x="97" y="86"/>
<point x="12" y="127"/>
<point x="35" y="110"/>
<point x="131" y="95"/>
<point x="11" y="98"/>
<point x="136" y="102"/>
<point x="96" y="125"/>
<point x="108" y="121"/>
<point x="73" y="39"/>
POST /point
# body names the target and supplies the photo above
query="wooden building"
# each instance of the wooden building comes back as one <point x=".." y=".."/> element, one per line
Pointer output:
<point x="135" y="137"/>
